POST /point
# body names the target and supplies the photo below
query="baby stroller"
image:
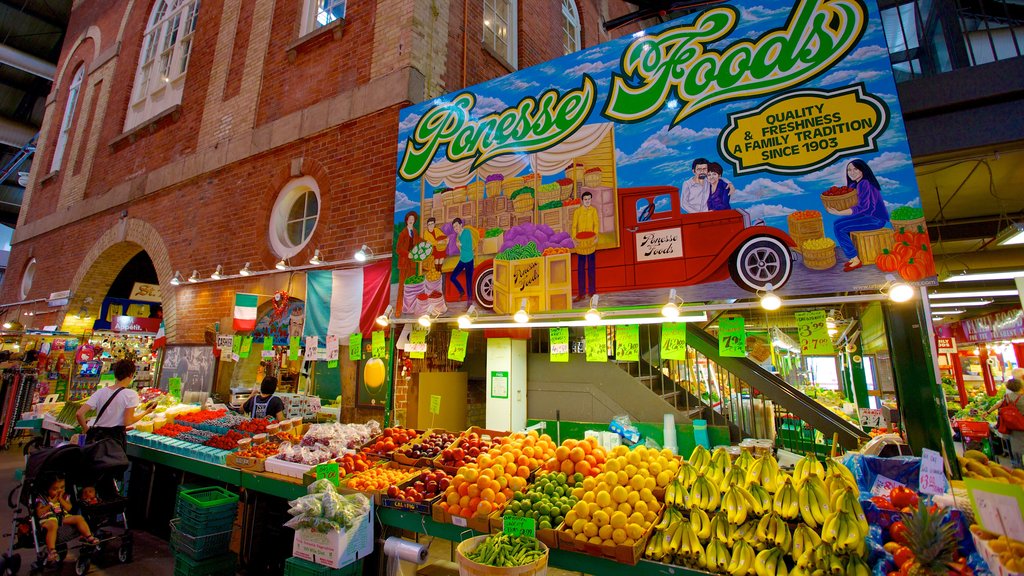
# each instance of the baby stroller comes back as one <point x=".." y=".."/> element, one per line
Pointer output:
<point x="100" y="465"/>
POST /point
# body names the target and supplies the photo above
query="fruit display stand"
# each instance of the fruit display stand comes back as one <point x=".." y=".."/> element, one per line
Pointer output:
<point x="400" y="454"/>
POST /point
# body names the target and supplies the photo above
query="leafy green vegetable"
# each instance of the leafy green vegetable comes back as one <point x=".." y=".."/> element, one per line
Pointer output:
<point x="519" y="252"/>
<point x="550" y="205"/>
<point x="494" y="233"/>
<point x="522" y="191"/>
<point x="414" y="279"/>
<point x="906" y="213"/>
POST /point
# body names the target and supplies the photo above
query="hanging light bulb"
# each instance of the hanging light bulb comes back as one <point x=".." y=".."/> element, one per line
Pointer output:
<point x="466" y="320"/>
<point x="593" y="315"/>
<point x="316" y="260"/>
<point x="769" y="300"/>
<point x="363" y="254"/>
<point x="194" y="277"/>
<point x="281" y="265"/>
<point x="385" y="319"/>
<point x="218" y="273"/>
<point x="671" y="308"/>
<point x="176" y="280"/>
<point x="424" y="320"/>
<point x="521" y="315"/>
<point x="901" y="292"/>
<point x="245" y="271"/>
<point x="7" y="325"/>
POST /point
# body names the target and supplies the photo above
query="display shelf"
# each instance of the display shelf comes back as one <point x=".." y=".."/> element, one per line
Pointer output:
<point x="268" y="484"/>
<point x="574" y="561"/>
<point x="220" y="473"/>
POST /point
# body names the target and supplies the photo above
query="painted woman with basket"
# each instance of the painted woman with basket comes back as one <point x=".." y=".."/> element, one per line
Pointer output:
<point x="869" y="213"/>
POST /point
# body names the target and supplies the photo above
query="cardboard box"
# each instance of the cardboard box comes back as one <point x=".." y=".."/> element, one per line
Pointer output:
<point x="338" y="548"/>
<point x="995" y="565"/>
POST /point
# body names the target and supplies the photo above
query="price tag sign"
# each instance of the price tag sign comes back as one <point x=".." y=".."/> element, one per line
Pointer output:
<point x="225" y="342"/>
<point x="627" y="342"/>
<point x="499" y="384"/>
<point x="236" y="345"/>
<point x="673" y="341"/>
<point x="732" y="337"/>
<point x="246" y="347"/>
<point x="312" y="343"/>
<point x="268" y="343"/>
<point x="332" y="347"/>
<point x="174" y="387"/>
<point x="871" y="418"/>
<point x="377" y="344"/>
<point x="457" y="345"/>
<point x="516" y="526"/>
<point x="328" y="471"/>
<point x="596" y="338"/>
<point x="293" y="348"/>
<point x="266" y="353"/>
<point x="999" y="508"/>
<point x="559" y="338"/>
<point x="883" y="486"/>
<point x="417" y="346"/>
<point x="355" y="347"/>
<point x="814" y="338"/>
<point x="933" y="474"/>
<point x="332" y="363"/>
<point x="107" y="379"/>
<point x="435" y="404"/>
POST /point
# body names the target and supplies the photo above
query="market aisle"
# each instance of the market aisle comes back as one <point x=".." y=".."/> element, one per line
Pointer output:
<point x="152" y="556"/>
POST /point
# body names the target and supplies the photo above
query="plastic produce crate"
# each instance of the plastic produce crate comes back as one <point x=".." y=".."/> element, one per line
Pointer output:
<point x="199" y="547"/>
<point x="205" y="511"/>
<point x="299" y="567"/>
<point x="220" y="566"/>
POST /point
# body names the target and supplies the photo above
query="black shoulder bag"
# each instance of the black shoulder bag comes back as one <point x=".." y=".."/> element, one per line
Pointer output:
<point x="97" y="433"/>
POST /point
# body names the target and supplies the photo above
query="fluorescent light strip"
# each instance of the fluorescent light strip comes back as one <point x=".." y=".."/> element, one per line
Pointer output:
<point x="972" y="294"/>
<point x="945" y="312"/>
<point x="604" y="322"/>
<point x="961" y="303"/>
<point x="982" y="276"/>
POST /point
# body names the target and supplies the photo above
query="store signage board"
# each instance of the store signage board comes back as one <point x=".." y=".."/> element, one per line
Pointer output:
<point x="377" y="347"/>
<point x="516" y="526"/>
<point x="435" y="404"/>
<point x="806" y="118"/>
<point x="312" y="343"/>
<point x="932" y="479"/>
<point x="559" y="338"/>
<point x="328" y="471"/>
<point x="945" y="345"/>
<point x="627" y="343"/>
<point x="332" y="347"/>
<point x="236" y="345"/>
<point x="596" y="338"/>
<point x="107" y="379"/>
<point x="871" y="417"/>
<point x="883" y="485"/>
<point x="355" y="347"/>
<point x="145" y="292"/>
<point x="813" y="332"/>
<point x="673" y="341"/>
<point x="499" y="384"/>
<point x="417" y="346"/>
<point x="225" y="341"/>
<point x="457" y="345"/>
<point x="135" y="325"/>
<point x="999" y="508"/>
<point x="332" y="363"/>
<point x="732" y="337"/>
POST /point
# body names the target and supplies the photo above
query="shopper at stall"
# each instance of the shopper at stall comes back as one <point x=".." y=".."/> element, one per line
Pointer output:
<point x="265" y="404"/>
<point x="1011" y="415"/>
<point x="114" y="406"/>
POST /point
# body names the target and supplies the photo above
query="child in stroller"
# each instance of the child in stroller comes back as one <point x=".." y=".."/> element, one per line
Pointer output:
<point x="53" y="510"/>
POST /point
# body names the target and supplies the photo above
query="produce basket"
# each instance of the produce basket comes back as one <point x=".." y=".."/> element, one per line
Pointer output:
<point x="575" y="171"/>
<point x="493" y="185"/>
<point x="377" y="495"/>
<point x="914" y="226"/>
<point x="565" y="185"/>
<point x="819" y="254"/>
<point x="549" y="193"/>
<point x="512" y="184"/>
<point x="619" y="552"/>
<point x="586" y="243"/>
<point x="199" y="547"/>
<point x="805" y="225"/>
<point x="592" y="177"/>
<point x="839" y="198"/>
<point x="522" y="200"/>
<point x="468" y="567"/>
<point x="418" y="462"/>
<point x="423" y="507"/>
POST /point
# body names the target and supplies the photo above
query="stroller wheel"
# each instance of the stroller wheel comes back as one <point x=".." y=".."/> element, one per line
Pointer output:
<point x="124" y="553"/>
<point x="82" y="566"/>
<point x="11" y="564"/>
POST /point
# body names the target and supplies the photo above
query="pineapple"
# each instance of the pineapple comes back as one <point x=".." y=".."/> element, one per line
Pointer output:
<point x="932" y="541"/>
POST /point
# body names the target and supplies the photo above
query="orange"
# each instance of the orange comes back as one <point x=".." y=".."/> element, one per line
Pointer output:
<point x="463" y="489"/>
<point x="474" y="490"/>
<point x="562" y="452"/>
<point x="583" y="467"/>
<point x="577" y="454"/>
<point x="568" y="467"/>
<point x="589" y="459"/>
<point x="484" y="509"/>
<point x="510" y="468"/>
<point x="502" y="482"/>
<point x="454" y="510"/>
<point x="523" y="472"/>
<point x="522" y="460"/>
<point x="587" y="446"/>
<point x="487" y="494"/>
<point x="528" y="451"/>
<point x="473" y="503"/>
<point x="464" y="501"/>
<point x="452" y="498"/>
<point x="500" y="499"/>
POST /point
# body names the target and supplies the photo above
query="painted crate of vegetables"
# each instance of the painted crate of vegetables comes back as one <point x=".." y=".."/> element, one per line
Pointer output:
<point x="534" y="264"/>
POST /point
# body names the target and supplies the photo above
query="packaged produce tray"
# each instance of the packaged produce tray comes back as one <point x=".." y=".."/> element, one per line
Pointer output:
<point x="548" y="536"/>
<point x="991" y="557"/>
<point x="291" y="469"/>
<point x="619" y="553"/>
<point x="421" y="462"/>
<point x="246" y="463"/>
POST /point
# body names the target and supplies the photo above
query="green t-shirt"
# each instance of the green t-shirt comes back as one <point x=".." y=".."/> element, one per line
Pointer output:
<point x="466" y="246"/>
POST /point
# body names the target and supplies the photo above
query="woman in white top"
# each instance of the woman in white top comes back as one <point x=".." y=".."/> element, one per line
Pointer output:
<point x="114" y="406"/>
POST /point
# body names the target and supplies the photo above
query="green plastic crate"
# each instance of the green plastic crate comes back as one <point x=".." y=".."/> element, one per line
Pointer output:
<point x="225" y="565"/>
<point x="203" y="524"/>
<point x="199" y="547"/>
<point x="299" y="567"/>
<point x="208" y="497"/>
<point x="206" y="510"/>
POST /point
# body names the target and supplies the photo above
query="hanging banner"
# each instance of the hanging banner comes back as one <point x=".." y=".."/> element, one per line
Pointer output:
<point x="697" y="154"/>
<point x="813" y="332"/>
<point x="268" y="348"/>
<point x="597" y="343"/>
<point x="355" y="347"/>
<point x="559" y="338"/>
<point x="377" y="347"/>
<point x="457" y="345"/>
<point x="627" y="343"/>
<point x="673" y="341"/>
<point x="293" y="348"/>
<point x="417" y="346"/>
<point x="312" y="344"/>
<point x="732" y="337"/>
<point x="246" y="347"/>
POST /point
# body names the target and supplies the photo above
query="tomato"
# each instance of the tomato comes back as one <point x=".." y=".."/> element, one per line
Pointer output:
<point x="898" y="532"/>
<point x="902" y="556"/>
<point x="905" y="569"/>
<point x="883" y="503"/>
<point x="903" y="497"/>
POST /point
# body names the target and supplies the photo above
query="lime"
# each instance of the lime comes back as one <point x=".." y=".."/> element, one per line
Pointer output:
<point x="557" y="520"/>
<point x="545" y="525"/>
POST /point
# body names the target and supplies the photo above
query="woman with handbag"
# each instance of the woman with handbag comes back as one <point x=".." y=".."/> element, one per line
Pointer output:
<point x="1010" y="418"/>
<point x="114" y="406"/>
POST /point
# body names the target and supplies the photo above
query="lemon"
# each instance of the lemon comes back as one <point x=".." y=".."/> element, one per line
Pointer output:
<point x="578" y="526"/>
<point x="654" y="468"/>
<point x="570" y="518"/>
<point x="621" y="450"/>
<point x="636" y="483"/>
<point x="636" y="519"/>
<point x="641" y="451"/>
<point x="623" y="478"/>
<point x="581" y="538"/>
<point x="605" y="532"/>
<point x="589" y="482"/>
<point x="588" y="498"/>
<point x="633" y="498"/>
<point x="619" y="536"/>
<point x="625" y="508"/>
<point x="578" y="493"/>
<point x="620" y="494"/>
<point x="581" y="510"/>
<point x="630" y="470"/>
<point x="602" y="487"/>
<point x="666" y="454"/>
<point x="634" y="530"/>
<point x="647" y="495"/>
<point x="612" y="465"/>
<point x="673" y="467"/>
<point x="663" y="478"/>
<point x="601" y="518"/>
<point x="649" y="484"/>
<point x="608" y="542"/>
<point x="596" y="541"/>
<point x="611" y="478"/>
<point x="618" y="520"/>
<point x="591" y="508"/>
<point x="650" y="516"/>
<point x="641" y="507"/>
<point x="634" y="458"/>
<point x="604" y="499"/>
<point x="629" y="542"/>
<point x="589" y="530"/>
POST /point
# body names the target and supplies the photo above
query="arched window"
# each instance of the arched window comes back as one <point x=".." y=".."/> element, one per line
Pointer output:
<point x="166" y="48"/>
<point x="294" y="217"/>
<point x="500" y="29"/>
<point x="570" y="27"/>
<point x="68" y="118"/>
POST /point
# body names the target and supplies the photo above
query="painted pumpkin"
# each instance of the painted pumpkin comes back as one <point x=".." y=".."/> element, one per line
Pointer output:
<point x="903" y="235"/>
<point x="924" y="256"/>
<point x="373" y="373"/>
<point x="912" y="270"/>
<point x="903" y="251"/>
<point x="887" y="261"/>
<point x="921" y="236"/>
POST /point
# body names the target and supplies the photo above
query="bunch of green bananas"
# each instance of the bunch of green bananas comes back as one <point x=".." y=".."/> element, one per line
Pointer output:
<point x="704" y="494"/>
<point x="775" y="532"/>
<point x="805" y="540"/>
<point x="771" y="562"/>
<point x="786" y="501"/>
<point x="765" y="471"/>
<point x="677" y="495"/>
<point x="813" y="500"/>
<point x="738" y="503"/>
<point x="806" y="466"/>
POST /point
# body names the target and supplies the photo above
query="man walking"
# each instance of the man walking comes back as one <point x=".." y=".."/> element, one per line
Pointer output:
<point x="464" y="242"/>
<point x="585" y="219"/>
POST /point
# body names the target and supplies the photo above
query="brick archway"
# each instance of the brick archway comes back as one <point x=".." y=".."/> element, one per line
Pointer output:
<point x="104" y="262"/>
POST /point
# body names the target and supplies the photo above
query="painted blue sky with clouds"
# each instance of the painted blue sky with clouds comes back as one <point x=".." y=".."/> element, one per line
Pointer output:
<point x="652" y="153"/>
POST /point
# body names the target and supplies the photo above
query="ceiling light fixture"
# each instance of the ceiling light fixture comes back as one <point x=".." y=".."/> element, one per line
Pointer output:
<point x="218" y="273"/>
<point x="176" y="280"/>
<point x="316" y="260"/>
<point x="425" y="320"/>
<point x="7" y="325"/>
<point x="281" y="265"/>
<point x="957" y="304"/>
<point x="385" y="319"/>
<point x="466" y="320"/>
<point x="769" y="300"/>
<point x="363" y="254"/>
<point x="522" y="316"/>
<point x="900" y="292"/>
<point x="194" y="277"/>
<point x="973" y="294"/>
<point x="593" y="315"/>
<point x="966" y="276"/>
<point x="1011" y="235"/>
<point x="245" y="271"/>
<point x="671" y="308"/>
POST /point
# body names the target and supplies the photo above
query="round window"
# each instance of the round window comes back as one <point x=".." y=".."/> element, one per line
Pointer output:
<point x="27" y="277"/>
<point x="295" y="216"/>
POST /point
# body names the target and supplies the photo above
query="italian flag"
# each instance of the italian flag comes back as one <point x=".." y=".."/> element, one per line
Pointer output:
<point x="343" y="302"/>
<point x="245" y="311"/>
<point x="161" y="338"/>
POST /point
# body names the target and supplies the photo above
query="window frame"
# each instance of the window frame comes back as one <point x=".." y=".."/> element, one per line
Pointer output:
<point x="571" y="19"/>
<point x="511" y="55"/>
<point x="311" y="12"/>
<point x="70" y="108"/>
<point x="28" y="276"/>
<point x="280" y="216"/>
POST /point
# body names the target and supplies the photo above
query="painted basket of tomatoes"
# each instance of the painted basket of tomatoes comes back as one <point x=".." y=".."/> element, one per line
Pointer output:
<point x="839" y="198"/>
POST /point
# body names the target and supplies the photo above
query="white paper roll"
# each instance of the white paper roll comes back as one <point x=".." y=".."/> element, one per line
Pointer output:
<point x="405" y="550"/>
<point x="670" y="433"/>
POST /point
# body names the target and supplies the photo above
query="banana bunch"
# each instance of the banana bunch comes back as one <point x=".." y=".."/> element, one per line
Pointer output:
<point x="714" y="473"/>
<point x="744" y="460"/>
<point x="855" y="566"/>
<point x="721" y="530"/>
<point x="735" y="476"/>
<point x="770" y="562"/>
<point x="672" y="516"/>
<point x="677" y="495"/>
<point x="717" y="556"/>
<point x="806" y="466"/>
<point x="747" y="532"/>
<point x="720" y="459"/>
<point x="846" y="500"/>
<point x="836" y="482"/>
<point x="656" y="547"/>
<point x="701" y="524"/>
<point x="686" y="544"/>
<point x="765" y="471"/>
<point x="813" y="501"/>
<point x="843" y="532"/>
<point x="774" y="531"/>
<point x="762" y="498"/>
<point x="822" y="561"/>
<point x="786" y="502"/>
<point x="742" y="561"/>
<point x="833" y="466"/>
<point x="704" y="494"/>
<point x="687" y="474"/>
<point x="700" y="457"/>
<point x="738" y="503"/>
<point x="805" y="540"/>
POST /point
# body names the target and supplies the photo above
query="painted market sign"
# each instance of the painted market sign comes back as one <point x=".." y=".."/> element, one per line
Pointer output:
<point x="741" y="147"/>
